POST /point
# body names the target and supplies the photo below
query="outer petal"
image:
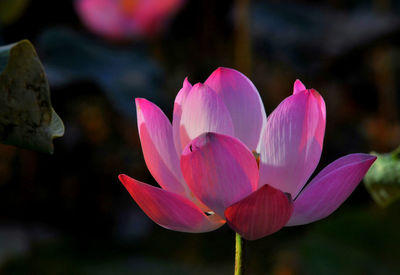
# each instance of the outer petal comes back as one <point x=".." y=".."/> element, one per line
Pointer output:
<point x="243" y="102"/>
<point x="292" y="143"/>
<point x="330" y="188"/>
<point x="202" y="112"/>
<point x="159" y="152"/>
<point x="219" y="170"/>
<point x="176" y="120"/>
<point x="260" y="214"/>
<point x="170" y="210"/>
<point x="298" y="87"/>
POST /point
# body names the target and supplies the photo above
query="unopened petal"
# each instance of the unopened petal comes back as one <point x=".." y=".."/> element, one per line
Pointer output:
<point x="330" y="188"/>
<point x="158" y="147"/>
<point x="179" y="101"/>
<point x="292" y="144"/>
<point x="203" y="111"/>
<point x="260" y="214"/>
<point x="220" y="170"/>
<point x="170" y="210"/>
<point x="243" y="102"/>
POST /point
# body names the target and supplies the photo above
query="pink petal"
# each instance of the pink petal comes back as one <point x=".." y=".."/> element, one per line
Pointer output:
<point x="292" y="142"/>
<point x="127" y="19"/>
<point x="260" y="214"/>
<point x="91" y="13"/>
<point x="330" y="188"/>
<point x="203" y="112"/>
<point x="168" y="209"/>
<point x="219" y="170"/>
<point x="158" y="147"/>
<point x="243" y="102"/>
<point x="179" y="101"/>
<point x="298" y="87"/>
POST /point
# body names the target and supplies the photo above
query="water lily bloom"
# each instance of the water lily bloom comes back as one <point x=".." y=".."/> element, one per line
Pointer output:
<point x="126" y="19"/>
<point x="221" y="160"/>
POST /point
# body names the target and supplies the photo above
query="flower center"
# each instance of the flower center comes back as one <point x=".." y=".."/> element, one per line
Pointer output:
<point x="128" y="6"/>
<point x="257" y="157"/>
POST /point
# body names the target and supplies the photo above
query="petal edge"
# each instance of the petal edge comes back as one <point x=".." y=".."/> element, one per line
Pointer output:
<point x="260" y="214"/>
<point x="220" y="170"/>
<point x="155" y="131"/>
<point x="203" y="111"/>
<point x="292" y="142"/>
<point x="330" y="188"/>
<point x="239" y="93"/>
<point x="168" y="209"/>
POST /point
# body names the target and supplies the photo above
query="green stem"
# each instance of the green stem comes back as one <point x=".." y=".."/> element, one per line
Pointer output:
<point x="239" y="255"/>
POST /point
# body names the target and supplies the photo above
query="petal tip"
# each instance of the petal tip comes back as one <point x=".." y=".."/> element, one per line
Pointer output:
<point x="139" y="100"/>
<point x="298" y="82"/>
<point x="365" y="158"/>
<point x="220" y="69"/>
<point x="371" y="159"/>
<point x="140" y="103"/>
<point x="298" y="87"/>
<point x="123" y="178"/>
<point x="199" y="85"/>
<point x="128" y="182"/>
<point x="315" y="93"/>
<point x="186" y="82"/>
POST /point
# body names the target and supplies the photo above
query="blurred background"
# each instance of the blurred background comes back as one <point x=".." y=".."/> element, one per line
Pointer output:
<point x="67" y="213"/>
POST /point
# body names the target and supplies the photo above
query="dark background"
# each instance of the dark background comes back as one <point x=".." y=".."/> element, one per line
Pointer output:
<point x="67" y="213"/>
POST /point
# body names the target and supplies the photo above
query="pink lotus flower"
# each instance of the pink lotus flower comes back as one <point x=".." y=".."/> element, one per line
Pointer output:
<point x="210" y="173"/>
<point x="125" y="19"/>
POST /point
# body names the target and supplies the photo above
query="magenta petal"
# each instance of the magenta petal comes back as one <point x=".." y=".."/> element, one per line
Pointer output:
<point x="203" y="111"/>
<point x="298" y="87"/>
<point x="220" y="170"/>
<point x="330" y="188"/>
<point x="292" y="142"/>
<point x="243" y="102"/>
<point x="179" y="101"/>
<point x="260" y="214"/>
<point x="168" y="209"/>
<point x="158" y="147"/>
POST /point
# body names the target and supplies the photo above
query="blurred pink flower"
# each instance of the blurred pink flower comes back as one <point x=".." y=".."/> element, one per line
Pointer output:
<point x="221" y="161"/>
<point x="126" y="19"/>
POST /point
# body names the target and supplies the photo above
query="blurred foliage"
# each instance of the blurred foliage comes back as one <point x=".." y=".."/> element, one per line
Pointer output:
<point x="353" y="241"/>
<point x="383" y="178"/>
<point x="12" y="10"/>
<point x="27" y="118"/>
<point x="121" y="73"/>
<point x="295" y="33"/>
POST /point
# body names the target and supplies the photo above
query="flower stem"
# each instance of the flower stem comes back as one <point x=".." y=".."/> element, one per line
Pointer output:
<point x="239" y="255"/>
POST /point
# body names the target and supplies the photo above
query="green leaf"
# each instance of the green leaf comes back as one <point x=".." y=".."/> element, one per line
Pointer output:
<point x="383" y="178"/>
<point x="27" y="118"/>
<point x="11" y="10"/>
